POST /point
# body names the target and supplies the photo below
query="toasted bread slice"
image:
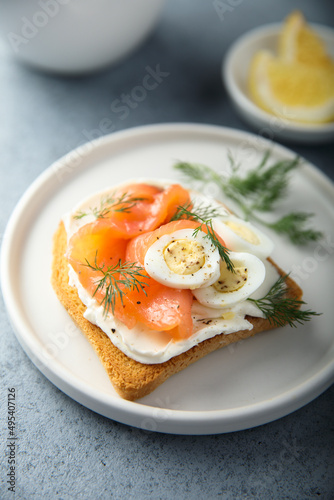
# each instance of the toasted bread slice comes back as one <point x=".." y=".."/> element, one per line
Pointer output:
<point x="131" y="379"/>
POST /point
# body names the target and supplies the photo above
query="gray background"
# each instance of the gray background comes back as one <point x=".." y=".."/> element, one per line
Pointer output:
<point x="65" y="450"/>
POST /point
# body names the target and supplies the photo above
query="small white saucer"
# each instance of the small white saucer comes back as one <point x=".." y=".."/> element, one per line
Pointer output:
<point x="235" y="71"/>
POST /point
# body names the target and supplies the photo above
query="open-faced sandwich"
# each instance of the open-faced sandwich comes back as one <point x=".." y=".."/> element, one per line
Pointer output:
<point x="158" y="276"/>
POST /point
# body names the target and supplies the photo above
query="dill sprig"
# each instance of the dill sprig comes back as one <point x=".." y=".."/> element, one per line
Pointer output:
<point x="202" y="210"/>
<point x="180" y="211"/>
<point x="123" y="203"/>
<point x="116" y="280"/>
<point x="293" y="225"/>
<point x="263" y="185"/>
<point x="259" y="190"/>
<point x="183" y="213"/>
<point x="281" y="310"/>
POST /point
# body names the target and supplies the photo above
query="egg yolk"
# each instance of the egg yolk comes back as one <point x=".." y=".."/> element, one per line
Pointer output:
<point x="244" y="232"/>
<point x="227" y="315"/>
<point x="231" y="281"/>
<point x="184" y="256"/>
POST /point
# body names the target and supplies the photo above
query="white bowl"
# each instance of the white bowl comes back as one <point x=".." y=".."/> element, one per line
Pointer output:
<point x="235" y="73"/>
<point x="76" y="36"/>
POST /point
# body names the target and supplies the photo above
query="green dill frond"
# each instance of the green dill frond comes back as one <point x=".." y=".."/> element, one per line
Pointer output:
<point x="211" y="235"/>
<point x="79" y="215"/>
<point x="294" y="225"/>
<point x="265" y="158"/>
<point x="202" y="210"/>
<point x="116" y="280"/>
<point x="258" y="190"/>
<point x="196" y="172"/>
<point x="281" y="310"/>
<point x="181" y="212"/>
<point x="123" y="203"/>
<point x="233" y="165"/>
<point x="264" y="185"/>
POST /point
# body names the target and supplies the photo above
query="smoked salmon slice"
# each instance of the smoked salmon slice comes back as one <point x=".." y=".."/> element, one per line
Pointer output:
<point x="99" y="245"/>
<point x="160" y="309"/>
<point x="139" y="208"/>
<point x="128" y="212"/>
<point x="140" y="215"/>
<point x="163" y="308"/>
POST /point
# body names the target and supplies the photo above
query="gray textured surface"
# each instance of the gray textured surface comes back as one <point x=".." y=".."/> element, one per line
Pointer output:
<point x="64" y="450"/>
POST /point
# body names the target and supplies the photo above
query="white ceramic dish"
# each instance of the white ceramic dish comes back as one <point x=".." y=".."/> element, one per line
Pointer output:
<point x="235" y="73"/>
<point x="254" y="382"/>
<point x="73" y="37"/>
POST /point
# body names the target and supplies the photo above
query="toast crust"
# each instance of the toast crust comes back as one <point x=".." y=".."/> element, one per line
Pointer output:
<point x="133" y="380"/>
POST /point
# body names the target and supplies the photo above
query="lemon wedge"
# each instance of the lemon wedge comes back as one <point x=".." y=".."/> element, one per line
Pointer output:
<point x="296" y="92"/>
<point x="298" y="84"/>
<point x="299" y="43"/>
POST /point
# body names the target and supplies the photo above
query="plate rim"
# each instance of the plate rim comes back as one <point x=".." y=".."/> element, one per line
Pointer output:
<point x="195" y="422"/>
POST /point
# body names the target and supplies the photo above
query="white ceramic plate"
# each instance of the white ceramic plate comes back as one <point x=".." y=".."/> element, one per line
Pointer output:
<point x="245" y="385"/>
<point x="235" y="75"/>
